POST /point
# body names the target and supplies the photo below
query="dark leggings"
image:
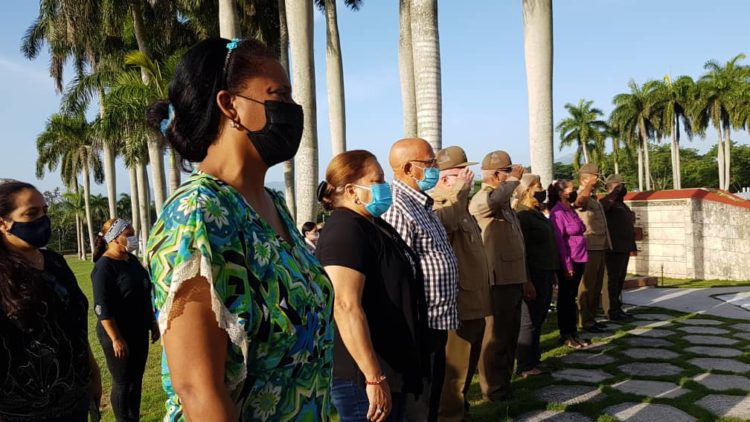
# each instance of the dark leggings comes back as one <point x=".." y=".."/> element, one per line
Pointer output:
<point x="127" y="374"/>
<point x="567" y="292"/>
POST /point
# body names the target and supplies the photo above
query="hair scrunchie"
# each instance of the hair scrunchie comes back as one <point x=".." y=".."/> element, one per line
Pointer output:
<point x="165" y="123"/>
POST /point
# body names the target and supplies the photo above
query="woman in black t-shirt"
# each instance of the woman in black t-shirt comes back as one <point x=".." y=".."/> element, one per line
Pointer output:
<point x="47" y="371"/>
<point x="122" y="304"/>
<point x="379" y="306"/>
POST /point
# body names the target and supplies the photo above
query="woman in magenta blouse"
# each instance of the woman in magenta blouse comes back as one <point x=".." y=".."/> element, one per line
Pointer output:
<point x="571" y="245"/>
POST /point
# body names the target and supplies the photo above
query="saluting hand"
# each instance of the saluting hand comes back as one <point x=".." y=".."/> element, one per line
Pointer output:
<point x="465" y="177"/>
<point x="517" y="171"/>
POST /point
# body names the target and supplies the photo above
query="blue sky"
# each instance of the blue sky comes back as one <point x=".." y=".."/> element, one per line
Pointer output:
<point x="599" y="46"/>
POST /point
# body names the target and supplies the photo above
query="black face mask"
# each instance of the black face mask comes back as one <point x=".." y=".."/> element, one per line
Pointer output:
<point x="540" y="196"/>
<point x="279" y="139"/>
<point x="36" y="233"/>
<point x="572" y="197"/>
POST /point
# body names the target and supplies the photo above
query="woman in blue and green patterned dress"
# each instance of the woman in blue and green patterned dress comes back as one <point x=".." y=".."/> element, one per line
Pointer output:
<point x="243" y="307"/>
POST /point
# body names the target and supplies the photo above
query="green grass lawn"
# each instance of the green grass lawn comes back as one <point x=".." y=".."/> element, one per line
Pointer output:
<point x="152" y="406"/>
<point x="693" y="283"/>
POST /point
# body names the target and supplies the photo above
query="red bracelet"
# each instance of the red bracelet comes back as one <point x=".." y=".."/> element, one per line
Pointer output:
<point x="378" y="381"/>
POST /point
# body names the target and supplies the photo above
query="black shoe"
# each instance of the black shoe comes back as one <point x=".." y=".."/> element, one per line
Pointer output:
<point x="626" y="315"/>
<point x="600" y="326"/>
<point x="618" y="317"/>
<point x="594" y="329"/>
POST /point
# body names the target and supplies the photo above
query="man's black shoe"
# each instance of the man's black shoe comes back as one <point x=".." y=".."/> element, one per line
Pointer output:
<point x="601" y="326"/>
<point x="618" y="317"/>
<point x="626" y="315"/>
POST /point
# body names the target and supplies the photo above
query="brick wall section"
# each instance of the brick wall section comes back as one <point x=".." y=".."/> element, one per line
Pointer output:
<point x="691" y="234"/>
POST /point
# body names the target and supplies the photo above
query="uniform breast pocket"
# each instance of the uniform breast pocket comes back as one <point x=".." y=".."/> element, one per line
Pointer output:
<point x="470" y="229"/>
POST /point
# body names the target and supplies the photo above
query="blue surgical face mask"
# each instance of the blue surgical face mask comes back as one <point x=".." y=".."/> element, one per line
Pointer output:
<point x="430" y="177"/>
<point x="380" y="198"/>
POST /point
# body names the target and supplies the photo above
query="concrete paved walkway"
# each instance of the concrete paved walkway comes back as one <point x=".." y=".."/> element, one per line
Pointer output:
<point x="726" y="302"/>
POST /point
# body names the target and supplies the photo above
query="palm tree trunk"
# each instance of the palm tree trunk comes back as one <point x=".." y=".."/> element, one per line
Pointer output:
<point x="139" y="28"/>
<point x="79" y="242"/>
<point x="640" y="167"/>
<point x="134" y="209"/>
<point x="675" y="156"/>
<point x="537" y="19"/>
<point x="174" y="171"/>
<point x="300" y="25"/>
<point x="229" y="22"/>
<point x="156" y="159"/>
<point x="155" y="149"/>
<point x="143" y="203"/>
<point x="87" y="204"/>
<point x="335" y="80"/>
<point x="647" y="165"/>
<point x="727" y="157"/>
<point x="284" y="59"/>
<point x="720" y="158"/>
<point x="110" y="177"/>
<point x="426" y="53"/>
<point x="406" y="69"/>
<point x="585" y="151"/>
<point x="646" y="155"/>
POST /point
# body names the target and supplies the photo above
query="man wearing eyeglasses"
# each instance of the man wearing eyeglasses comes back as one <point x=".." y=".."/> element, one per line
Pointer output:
<point x="415" y="172"/>
<point x="503" y="241"/>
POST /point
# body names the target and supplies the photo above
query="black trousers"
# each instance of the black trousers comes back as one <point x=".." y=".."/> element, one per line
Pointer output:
<point x="617" y="270"/>
<point x="427" y="406"/>
<point x="127" y="374"/>
<point x="567" y="293"/>
<point x="500" y="341"/>
<point x="533" y="315"/>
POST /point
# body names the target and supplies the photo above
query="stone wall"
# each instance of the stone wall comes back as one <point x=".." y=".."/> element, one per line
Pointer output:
<point x="692" y="234"/>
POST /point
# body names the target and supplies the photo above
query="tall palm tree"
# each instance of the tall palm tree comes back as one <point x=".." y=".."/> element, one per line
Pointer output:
<point x="74" y="29"/>
<point x="718" y="93"/>
<point x="300" y="24"/>
<point x="426" y="53"/>
<point x="335" y="73"/>
<point x="671" y="100"/>
<point x="585" y="130"/>
<point x="633" y="116"/>
<point x="73" y="207"/>
<point x="620" y="146"/>
<point x="537" y="25"/>
<point x="406" y="70"/>
<point x="67" y="141"/>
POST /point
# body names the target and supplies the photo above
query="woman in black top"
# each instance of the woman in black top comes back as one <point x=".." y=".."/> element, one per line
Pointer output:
<point x="122" y="304"/>
<point x="47" y="371"/>
<point x="379" y="305"/>
<point x="542" y="262"/>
